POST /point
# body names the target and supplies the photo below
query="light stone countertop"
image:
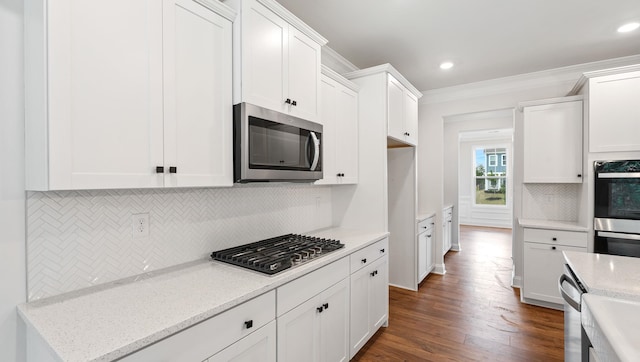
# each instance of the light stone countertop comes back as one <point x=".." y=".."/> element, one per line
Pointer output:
<point x="422" y="217"/>
<point x="552" y="225"/>
<point x="107" y="322"/>
<point x="612" y="326"/>
<point x="611" y="307"/>
<point x="608" y="275"/>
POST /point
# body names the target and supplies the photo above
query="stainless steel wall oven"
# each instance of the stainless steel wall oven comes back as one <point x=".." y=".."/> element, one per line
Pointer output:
<point x="617" y="207"/>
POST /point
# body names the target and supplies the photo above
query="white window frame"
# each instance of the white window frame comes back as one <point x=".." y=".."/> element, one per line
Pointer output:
<point x="504" y="177"/>
<point x="503" y="159"/>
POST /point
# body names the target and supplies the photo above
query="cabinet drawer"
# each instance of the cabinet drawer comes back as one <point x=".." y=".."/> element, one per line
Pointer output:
<point x="425" y="224"/>
<point x="559" y="237"/>
<point x="296" y="292"/>
<point x="207" y="338"/>
<point x="367" y="255"/>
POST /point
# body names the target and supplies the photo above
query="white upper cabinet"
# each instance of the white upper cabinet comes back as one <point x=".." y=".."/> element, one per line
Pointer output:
<point x="339" y="117"/>
<point x="197" y="105"/>
<point x="614" y="112"/>
<point x="117" y="101"/>
<point x="402" y="112"/>
<point x="553" y="142"/>
<point x="277" y="59"/>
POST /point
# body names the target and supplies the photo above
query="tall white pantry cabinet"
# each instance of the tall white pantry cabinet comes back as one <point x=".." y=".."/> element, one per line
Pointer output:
<point x="127" y="94"/>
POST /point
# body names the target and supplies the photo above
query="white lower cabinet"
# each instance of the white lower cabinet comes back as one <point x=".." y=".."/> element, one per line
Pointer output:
<point x="426" y="260"/>
<point x="204" y="340"/>
<point x="447" y="224"/>
<point x="317" y="330"/>
<point x="544" y="263"/>
<point x="369" y="302"/>
<point x="258" y="346"/>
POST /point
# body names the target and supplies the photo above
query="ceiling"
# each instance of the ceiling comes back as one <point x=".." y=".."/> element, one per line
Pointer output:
<point x="485" y="39"/>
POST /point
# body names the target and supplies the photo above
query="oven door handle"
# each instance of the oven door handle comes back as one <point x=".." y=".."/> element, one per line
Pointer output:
<point x="316" y="151"/>
<point x="607" y="234"/>
<point x="572" y="302"/>
<point x="619" y="175"/>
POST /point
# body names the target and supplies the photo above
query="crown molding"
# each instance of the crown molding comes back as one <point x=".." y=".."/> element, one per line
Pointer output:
<point x="339" y="78"/>
<point x="479" y="116"/>
<point x="293" y="20"/>
<point x="601" y="73"/>
<point x="387" y="68"/>
<point x="337" y="62"/>
<point x="218" y="8"/>
<point x="565" y="77"/>
<point x="538" y="102"/>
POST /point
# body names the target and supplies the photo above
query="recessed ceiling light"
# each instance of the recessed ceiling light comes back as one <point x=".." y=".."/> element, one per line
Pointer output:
<point x="628" y="27"/>
<point x="446" y="65"/>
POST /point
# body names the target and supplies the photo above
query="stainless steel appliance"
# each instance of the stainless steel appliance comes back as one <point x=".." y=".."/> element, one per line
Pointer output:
<point x="617" y="207"/>
<point x="575" y="343"/>
<point x="274" y="255"/>
<point x="273" y="146"/>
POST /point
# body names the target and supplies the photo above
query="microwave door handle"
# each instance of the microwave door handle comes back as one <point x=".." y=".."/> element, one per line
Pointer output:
<point x="572" y="302"/>
<point x="316" y="151"/>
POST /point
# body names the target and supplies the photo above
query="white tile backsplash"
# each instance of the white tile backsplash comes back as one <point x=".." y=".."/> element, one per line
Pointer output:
<point x="77" y="239"/>
<point x="558" y="202"/>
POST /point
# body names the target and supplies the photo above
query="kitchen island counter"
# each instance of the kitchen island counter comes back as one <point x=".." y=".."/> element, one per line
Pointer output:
<point x="608" y="275"/>
<point x="107" y="322"/>
<point x="612" y="327"/>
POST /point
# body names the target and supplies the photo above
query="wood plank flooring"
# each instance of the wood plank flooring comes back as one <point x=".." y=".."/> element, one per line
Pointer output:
<point x="469" y="314"/>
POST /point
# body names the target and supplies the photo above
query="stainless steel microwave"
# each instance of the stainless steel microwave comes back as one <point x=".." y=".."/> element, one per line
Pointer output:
<point x="273" y="146"/>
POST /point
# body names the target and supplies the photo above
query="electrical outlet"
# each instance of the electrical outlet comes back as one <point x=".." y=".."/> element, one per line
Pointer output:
<point x="140" y="225"/>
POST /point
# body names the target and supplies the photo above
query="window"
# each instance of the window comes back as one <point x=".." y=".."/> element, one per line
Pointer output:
<point x="493" y="160"/>
<point x="490" y="176"/>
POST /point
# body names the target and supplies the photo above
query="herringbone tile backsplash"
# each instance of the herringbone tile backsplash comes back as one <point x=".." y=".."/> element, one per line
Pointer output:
<point x="77" y="239"/>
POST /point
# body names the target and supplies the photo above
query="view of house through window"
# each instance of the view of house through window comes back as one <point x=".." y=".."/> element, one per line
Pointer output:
<point x="491" y="176"/>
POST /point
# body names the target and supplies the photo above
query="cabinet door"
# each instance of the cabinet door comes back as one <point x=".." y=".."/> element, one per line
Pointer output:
<point x="422" y="256"/>
<point x="334" y="332"/>
<point x="303" y="77"/>
<point x="198" y="108"/>
<point x="360" y="328"/>
<point x="257" y="346"/>
<point x="553" y="143"/>
<point x="410" y="116"/>
<point x="264" y="57"/>
<point x="429" y="246"/>
<point x="543" y="265"/>
<point x="299" y="333"/>
<point x="329" y="132"/>
<point x="347" y="135"/>
<point x="104" y="94"/>
<point x="379" y="293"/>
<point x="395" y="104"/>
<point x="614" y="113"/>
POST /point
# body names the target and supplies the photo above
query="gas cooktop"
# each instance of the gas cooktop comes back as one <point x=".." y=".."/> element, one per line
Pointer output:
<point x="274" y="255"/>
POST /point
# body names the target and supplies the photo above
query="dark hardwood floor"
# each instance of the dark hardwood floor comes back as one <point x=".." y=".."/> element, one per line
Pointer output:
<point x="469" y="314"/>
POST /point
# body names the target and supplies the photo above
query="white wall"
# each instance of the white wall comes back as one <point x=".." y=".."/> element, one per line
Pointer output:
<point x="503" y="93"/>
<point x="12" y="195"/>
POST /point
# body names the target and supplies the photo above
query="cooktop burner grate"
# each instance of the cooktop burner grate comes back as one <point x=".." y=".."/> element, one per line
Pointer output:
<point x="274" y="255"/>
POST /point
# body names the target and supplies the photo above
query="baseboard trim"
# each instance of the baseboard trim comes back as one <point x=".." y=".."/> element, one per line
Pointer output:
<point x="439" y="269"/>
<point x="516" y="282"/>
